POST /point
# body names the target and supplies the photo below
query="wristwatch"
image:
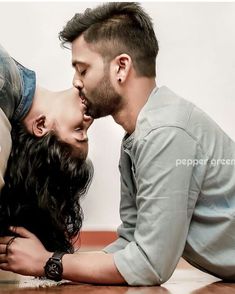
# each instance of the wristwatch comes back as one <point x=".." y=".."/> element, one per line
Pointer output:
<point x="54" y="269"/>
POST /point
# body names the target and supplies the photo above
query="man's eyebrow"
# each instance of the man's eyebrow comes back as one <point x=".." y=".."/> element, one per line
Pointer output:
<point x="76" y="62"/>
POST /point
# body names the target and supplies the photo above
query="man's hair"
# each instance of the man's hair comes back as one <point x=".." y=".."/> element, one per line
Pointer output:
<point x="115" y="28"/>
<point x="43" y="187"/>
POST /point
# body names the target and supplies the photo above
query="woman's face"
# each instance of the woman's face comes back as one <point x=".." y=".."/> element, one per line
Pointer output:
<point x="71" y="123"/>
<point x="62" y="112"/>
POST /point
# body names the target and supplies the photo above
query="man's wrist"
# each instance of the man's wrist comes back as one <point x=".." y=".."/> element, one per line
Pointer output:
<point x="43" y="260"/>
<point x="53" y="268"/>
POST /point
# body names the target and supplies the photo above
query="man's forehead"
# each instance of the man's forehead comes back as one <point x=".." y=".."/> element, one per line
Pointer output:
<point x="79" y="42"/>
<point x="80" y="50"/>
<point x="83" y="53"/>
<point x="79" y="57"/>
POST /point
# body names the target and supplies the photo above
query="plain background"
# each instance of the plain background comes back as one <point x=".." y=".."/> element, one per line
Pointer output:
<point x="196" y="60"/>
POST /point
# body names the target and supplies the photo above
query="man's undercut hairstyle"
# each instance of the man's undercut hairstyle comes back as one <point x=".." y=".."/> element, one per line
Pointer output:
<point x="44" y="184"/>
<point x="115" y="28"/>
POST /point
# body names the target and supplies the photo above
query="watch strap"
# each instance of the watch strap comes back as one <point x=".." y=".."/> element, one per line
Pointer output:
<point x="58" y="255"/>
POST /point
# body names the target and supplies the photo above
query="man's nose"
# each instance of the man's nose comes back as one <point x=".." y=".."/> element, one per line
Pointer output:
<point x="77" y="83"/>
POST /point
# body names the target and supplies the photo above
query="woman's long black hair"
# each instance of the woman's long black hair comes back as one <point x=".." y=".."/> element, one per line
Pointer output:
<point x="44" y="183"/>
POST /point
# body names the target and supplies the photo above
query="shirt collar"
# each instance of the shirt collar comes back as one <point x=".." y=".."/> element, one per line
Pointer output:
<point x="28" y="79"/>
<point x="128" y="139"/>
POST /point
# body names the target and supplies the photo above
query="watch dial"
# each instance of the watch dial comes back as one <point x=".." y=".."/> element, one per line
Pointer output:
<point x="54" y="269"/>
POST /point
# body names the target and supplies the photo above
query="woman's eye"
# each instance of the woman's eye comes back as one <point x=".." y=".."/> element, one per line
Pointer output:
<point x="78" y="130"/>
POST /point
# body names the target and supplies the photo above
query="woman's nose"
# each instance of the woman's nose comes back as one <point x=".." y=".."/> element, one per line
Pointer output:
<point x="85" y="137"/>
<point x="88" y="120"/>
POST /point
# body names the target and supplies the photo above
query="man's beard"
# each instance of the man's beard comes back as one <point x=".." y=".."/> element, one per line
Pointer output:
<point x="103" y="100"/>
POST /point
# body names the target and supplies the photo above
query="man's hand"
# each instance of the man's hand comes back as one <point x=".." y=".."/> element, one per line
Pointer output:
<point x="24" y="255"/>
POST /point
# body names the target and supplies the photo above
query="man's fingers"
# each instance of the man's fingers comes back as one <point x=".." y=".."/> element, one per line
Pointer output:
<point x="5" y="240"/>
<point x="21" y="232"/>
<point x="3" y="258"/>
<point x="4" y="266"/>
<point x="3" y="248"/>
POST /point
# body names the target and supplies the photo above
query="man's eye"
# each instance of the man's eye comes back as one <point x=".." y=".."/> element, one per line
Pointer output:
<point x="83" y="72"/>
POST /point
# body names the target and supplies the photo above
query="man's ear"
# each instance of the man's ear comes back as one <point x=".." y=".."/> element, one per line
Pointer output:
<point x="39" y="128"/>
<point x="123" y="64"/>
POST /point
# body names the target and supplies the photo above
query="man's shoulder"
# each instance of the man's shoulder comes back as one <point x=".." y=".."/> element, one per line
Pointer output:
<point x="164" y="108"/>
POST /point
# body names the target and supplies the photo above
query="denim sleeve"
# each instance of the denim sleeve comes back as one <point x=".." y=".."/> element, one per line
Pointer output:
<point x="5" y="145"/>
<point x="10" y="84"/>
<point x="165" y="201"/>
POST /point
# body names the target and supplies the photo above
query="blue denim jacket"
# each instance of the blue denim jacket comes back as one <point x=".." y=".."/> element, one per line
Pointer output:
<point x="17" y="87"/>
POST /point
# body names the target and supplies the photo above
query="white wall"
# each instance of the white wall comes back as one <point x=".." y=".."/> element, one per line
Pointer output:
<point x="196" y="60"/>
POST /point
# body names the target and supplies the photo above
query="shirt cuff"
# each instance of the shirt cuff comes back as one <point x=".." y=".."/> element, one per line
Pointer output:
<point x="135" y="268"/>
<point x="117" y="245"/>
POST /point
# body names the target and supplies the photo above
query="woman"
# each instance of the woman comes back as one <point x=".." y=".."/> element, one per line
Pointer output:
<point x="47" y="171"/>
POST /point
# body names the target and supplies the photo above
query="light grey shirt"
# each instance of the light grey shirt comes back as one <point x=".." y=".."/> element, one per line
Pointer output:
<point x="177" y="193"/>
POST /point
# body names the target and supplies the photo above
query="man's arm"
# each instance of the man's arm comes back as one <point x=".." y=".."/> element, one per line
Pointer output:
<point x="166" y="196"/>
<point x="27" y="256"/>
<point x="128" y="210"/>
<point x="91" y="267"/>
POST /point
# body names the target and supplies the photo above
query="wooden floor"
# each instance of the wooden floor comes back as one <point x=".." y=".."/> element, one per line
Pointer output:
<point x="185" y="279"/>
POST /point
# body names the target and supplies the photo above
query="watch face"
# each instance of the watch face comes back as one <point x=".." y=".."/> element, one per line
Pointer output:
<point x="53" y="270"/>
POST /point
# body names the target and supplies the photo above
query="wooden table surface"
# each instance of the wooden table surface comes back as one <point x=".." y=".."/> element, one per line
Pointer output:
<point x="185" y="279"/>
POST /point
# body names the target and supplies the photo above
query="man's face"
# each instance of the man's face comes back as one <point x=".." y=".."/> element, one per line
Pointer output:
<point x="92" y="78"/>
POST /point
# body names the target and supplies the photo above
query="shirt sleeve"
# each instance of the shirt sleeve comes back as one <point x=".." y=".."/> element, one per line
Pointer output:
<point x="165" y="199"/>
<point x="128" y="210"/>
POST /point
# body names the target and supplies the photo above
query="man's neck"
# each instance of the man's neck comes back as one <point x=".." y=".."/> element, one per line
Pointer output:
<point x="135" y="97"/>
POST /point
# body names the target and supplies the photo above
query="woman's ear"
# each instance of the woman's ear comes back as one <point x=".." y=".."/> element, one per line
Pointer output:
<point x="39" y="128"/>
<point x="123" y="63"/>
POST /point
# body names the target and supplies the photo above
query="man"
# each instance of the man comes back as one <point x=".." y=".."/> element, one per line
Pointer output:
<point x="175" y="201"/>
